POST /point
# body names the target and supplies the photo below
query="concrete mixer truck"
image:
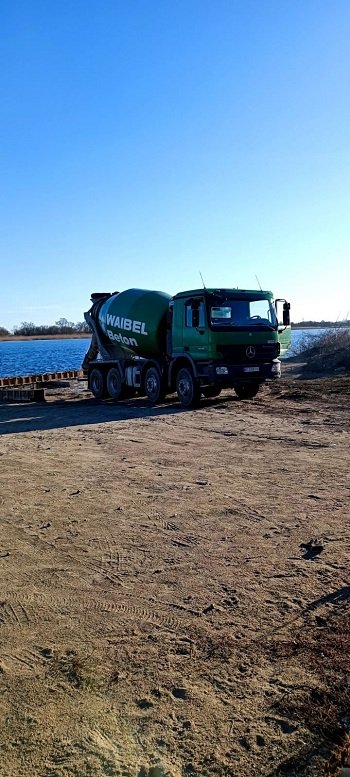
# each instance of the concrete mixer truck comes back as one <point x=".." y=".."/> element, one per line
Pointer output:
<point x="195" y="343"/>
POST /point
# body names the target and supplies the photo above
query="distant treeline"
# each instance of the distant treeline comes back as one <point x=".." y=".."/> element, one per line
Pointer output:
<point x="320" y="324"/>
<point x="61" y="327"/>
<point x="64" y="327"/>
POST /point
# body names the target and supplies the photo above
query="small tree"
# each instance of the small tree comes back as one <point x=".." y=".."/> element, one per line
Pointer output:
<point x="64" y="326"/>
<point x="82" y="326"/>
<point x="26" y="328"/>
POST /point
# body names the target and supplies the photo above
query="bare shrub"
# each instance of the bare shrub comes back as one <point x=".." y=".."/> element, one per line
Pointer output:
<point x="329" y="350"/>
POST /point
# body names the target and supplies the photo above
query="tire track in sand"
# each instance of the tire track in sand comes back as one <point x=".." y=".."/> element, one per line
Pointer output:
<point x="15" y="599"/>
<point x="14" y="615"/>
<point x="103" y="556"/>
<point x="92" y="743"/>
<point x="20" y="661"/>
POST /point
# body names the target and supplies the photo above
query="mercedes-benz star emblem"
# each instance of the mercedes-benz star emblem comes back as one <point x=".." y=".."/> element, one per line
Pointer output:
<point x="250" y="351"/>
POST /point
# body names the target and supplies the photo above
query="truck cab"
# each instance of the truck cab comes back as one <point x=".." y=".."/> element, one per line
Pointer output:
<point x="232" y="338"/>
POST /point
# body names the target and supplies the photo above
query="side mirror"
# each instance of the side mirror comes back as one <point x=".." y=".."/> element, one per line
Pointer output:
<point x="286" y="314"/>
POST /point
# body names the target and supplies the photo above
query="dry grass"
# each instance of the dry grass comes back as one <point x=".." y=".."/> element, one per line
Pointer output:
<point x="329" y="350"/>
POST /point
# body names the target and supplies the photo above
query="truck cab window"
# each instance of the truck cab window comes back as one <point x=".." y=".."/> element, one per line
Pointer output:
<point x="243" y="313"/>
<point x="195" y="316"/>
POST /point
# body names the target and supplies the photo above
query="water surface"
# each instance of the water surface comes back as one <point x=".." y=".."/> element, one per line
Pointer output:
<point x="28" y="357"/>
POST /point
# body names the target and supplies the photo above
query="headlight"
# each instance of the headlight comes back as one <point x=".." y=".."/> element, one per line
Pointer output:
<point x="276" y="368"/>
<point x="222" y="370"/>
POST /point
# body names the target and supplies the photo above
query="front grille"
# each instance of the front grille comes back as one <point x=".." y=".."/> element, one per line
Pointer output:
<point x="237" y="354"/>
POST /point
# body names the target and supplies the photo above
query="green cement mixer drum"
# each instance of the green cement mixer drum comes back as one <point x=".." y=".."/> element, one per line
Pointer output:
<point x="136" y="320"/>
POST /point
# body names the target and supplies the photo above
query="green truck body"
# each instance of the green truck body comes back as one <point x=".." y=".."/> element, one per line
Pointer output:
<point x="197" y="342"/>
<point x="136" y="320"/>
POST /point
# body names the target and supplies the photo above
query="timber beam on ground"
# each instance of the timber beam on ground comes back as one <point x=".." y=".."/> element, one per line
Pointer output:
<point x="39" y="379"/>
<point x="22" y="395"/>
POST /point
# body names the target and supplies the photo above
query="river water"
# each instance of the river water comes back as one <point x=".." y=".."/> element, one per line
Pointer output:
<point x="28" y="357"/>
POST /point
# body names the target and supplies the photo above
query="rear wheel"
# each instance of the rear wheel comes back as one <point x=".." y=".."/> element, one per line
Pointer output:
<point x="247" y="390"/>
<point x="115" y="385"/>
<point x="187" y="387"/>
<point x="211" y="391"/>
<point x="154" y="385"/>
<point x="97" y="383"/>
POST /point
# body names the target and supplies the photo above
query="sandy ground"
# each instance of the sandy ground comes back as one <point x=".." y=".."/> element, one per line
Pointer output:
<point x="157" y="613"/>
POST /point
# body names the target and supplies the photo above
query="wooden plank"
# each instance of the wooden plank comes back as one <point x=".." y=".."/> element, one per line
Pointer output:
<point x="22" y="395"/>
<point x="20" y="380"/>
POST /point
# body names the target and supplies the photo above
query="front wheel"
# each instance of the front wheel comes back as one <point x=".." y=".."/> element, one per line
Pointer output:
<point x="97" y="384"/>
<point x="154" y="385"/>
<point x="210" y="392"/>
<point x="246" y="390"/>
<point x="187" y="387"/>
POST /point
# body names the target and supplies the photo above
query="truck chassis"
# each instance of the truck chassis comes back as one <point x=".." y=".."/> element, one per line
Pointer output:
<point x="123" y="378"/>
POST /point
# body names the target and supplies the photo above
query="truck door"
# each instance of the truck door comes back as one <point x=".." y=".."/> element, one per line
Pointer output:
<point x="284" y="328"/>
<point x="196" y="332"/>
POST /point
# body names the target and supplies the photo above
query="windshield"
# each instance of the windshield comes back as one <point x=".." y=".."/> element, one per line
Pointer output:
<point x="243" y="313"/>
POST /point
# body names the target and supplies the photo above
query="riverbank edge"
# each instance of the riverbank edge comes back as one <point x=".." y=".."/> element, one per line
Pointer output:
<point x="78" y="336"/>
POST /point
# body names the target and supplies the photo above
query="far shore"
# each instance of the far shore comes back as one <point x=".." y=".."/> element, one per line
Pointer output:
<point x="87" y="335"/>
<point x="332" y="325"/>
<point x="76" y="336"/>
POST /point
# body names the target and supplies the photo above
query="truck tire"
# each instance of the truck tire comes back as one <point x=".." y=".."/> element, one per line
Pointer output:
<point x="154" y="385"/>
<point x="210" y="392"/>
<point x="246" y="390"/>
<point x="97" y="384"/>
<point x="115" y="385"/>
<point x="187" y="387"/>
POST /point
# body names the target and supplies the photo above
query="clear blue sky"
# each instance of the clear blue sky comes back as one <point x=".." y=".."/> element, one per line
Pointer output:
<point x="143" y="140"/>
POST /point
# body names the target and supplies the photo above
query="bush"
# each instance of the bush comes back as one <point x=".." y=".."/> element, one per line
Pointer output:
<point x="330" y="350"/>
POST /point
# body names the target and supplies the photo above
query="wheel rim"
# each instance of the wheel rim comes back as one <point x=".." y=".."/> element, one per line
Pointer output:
<point x="185" y="388"/>
<point x="114" y="384"/>
<point x="96" y="384"/>
<point x="152" y="386"/>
